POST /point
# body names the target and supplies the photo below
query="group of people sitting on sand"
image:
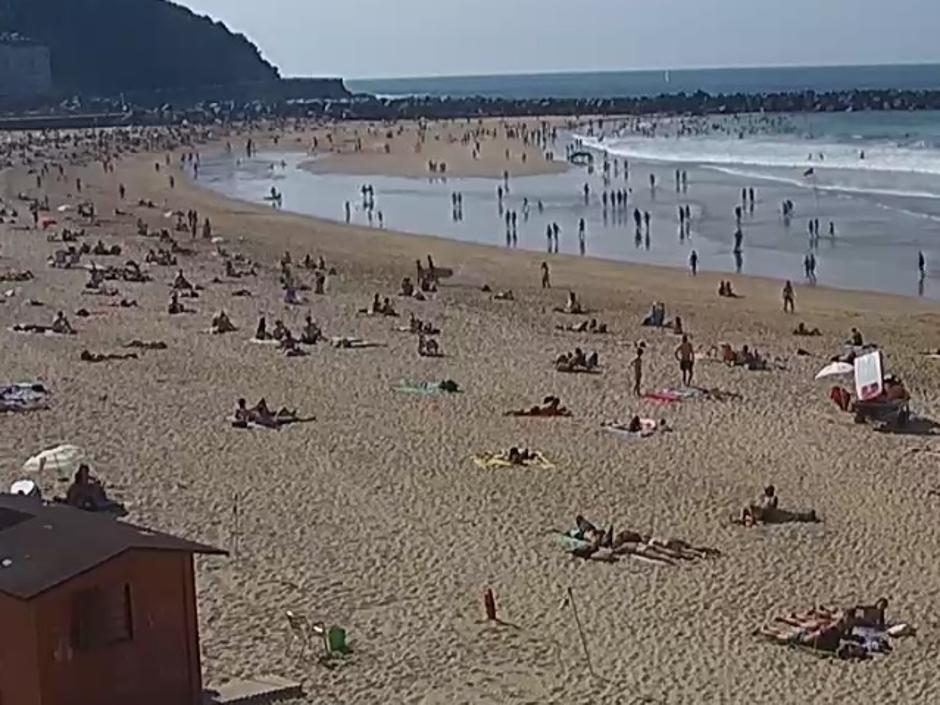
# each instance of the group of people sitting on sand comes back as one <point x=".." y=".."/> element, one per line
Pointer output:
<point x="409" y="290"/>
<point x="160" y="257"/>
<point x="572" y="305"/>
<point x="261" y="415"/>
<point x="379" y="308"/>
<point x="725" y="289"/>
<point x="428" y="347"/>
<point x="766" y="510"/>
<point x="310" y="334"/>
<point x="550" y="407"/>
<point x="745" y="357"/>
<point x="577" y="361"/>
<point x="232" y="273"/>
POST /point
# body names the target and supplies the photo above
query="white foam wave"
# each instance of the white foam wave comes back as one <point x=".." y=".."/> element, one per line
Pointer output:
<point x="790" y="154"/>
<point x="807" y="183"/>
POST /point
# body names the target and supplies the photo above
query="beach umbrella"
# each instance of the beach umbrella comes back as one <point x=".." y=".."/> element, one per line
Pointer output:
<point x="28" y="488"/>
<point x="836" y="369"/>
<point x="62" y="459"/>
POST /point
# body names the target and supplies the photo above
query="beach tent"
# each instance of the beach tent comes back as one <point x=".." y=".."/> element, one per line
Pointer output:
<point x="869" y="375"/>
<point x="835" y="369"/>
<point x="62" y="459"/>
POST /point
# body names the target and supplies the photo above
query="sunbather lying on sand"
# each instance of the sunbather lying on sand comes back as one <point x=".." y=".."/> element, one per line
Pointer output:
<point x="767" y="511"/>
<point x="416" y="325"/>
<point x="87" y="356"/>
<point x="634" y="543"/>
<point x="802" y="330"/>
<point x="146" y="345"/>
<point x="591" y="326"/>
<point x="260" y="415"/>
<point x="833" y="636"/>
<point x="638" y="426"/>
<point x="551" y="407"/>
<point x="16" y="276"/>
<point x="504" y="296"/>
<point x="222" y="324"/>
<point x="123" y="303"/>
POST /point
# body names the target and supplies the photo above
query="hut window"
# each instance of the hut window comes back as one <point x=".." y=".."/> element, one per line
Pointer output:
<point x="102" y="616"/>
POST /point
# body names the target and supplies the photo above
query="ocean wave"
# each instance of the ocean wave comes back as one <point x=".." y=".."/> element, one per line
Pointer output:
<point x="789" y="154"/>
<point x="807" y="183"/>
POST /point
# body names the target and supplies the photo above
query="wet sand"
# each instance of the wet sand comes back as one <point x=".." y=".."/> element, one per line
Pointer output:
<point x="375" y="518"/>
<point x="874" y="248"/>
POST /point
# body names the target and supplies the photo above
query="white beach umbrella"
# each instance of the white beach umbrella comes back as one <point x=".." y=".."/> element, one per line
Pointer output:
<point x="836" y="369"/>
<point x="64" y="458"/>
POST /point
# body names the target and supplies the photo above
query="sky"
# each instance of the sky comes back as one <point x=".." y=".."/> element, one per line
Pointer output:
<point x="404" y="38"/>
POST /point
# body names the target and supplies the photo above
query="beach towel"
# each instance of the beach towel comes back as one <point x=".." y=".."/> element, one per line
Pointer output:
<point x="496" y="461"/>
<point x="280" y="422"/>
<point x="649" y="428"/>
<point x="425" y="388"/>
<point x="678" y="394"/>
<point x="350" y="343"/>
<point x="23" y="396"/>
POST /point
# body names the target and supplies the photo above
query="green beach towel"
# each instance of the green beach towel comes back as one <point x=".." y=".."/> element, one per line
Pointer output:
<point x="426" y="388"/>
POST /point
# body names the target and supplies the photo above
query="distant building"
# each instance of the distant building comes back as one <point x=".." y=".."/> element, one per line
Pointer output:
<point x="25" y="67"/>
<point x="94" y="611"/>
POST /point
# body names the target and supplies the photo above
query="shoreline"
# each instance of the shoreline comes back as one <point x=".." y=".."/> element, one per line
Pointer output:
<point x="315" y="196"/>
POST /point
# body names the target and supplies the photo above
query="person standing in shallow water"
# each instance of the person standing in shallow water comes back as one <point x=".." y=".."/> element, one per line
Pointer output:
<point x="693" y="262"/>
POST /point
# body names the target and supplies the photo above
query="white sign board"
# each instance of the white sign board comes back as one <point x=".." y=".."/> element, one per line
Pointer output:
<point x="869" y="377"/>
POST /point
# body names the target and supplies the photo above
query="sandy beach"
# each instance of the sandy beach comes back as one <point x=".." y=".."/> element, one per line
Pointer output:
<point x="374" y="517"/>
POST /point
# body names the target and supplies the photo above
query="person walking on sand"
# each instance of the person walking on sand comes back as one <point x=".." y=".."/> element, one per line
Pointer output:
<point x="637" y="366"/>
<point x="788" y="299"/>
<point x="546" y="278"/>
<point x="685" y="354"/>
<point x="693" y="262"/>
